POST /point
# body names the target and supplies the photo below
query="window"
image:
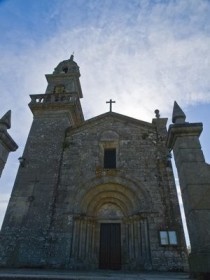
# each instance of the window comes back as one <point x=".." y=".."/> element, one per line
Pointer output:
<point x="168" y="238"/>
<point x="59" y="89"/>
<point x="109" y="158"/>
<point x="65" y="69"/>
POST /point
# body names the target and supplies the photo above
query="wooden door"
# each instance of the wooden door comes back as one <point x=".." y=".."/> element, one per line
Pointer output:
<point x="110" y="246"/>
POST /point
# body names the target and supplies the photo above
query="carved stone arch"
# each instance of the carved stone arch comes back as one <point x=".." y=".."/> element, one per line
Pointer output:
<point x="110" y="203"/>
<point x="109" y="208"/>
<point x="137" y="196"/>
<point x="122" y="197"/>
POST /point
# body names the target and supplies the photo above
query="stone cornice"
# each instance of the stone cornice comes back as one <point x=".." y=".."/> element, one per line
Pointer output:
<point x="7" y="141"/>
<point x="182" y="130"/>
<point x="63" y="102"/>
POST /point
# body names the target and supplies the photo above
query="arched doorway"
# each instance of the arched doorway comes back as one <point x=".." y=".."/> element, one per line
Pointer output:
<point x="110" y="232"/>
<point x="110" y="217"/>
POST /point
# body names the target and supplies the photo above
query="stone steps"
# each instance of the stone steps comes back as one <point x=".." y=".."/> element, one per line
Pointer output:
<point x="14" y="274"/>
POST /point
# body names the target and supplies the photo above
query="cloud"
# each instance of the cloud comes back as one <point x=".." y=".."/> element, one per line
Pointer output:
<point x="147" y="62"/>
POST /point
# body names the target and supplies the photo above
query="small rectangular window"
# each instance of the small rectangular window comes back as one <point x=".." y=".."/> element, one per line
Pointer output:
<point x="109" y="158"/>
<point x="172" y="238"/>
<point x="163" y="238"/>
<point x="168" y="238"/>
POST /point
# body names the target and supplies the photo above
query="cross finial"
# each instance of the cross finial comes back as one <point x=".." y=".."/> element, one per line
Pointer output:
<point x="72" y="56"/>
<point x="157" y="113"/>
<point x="110" y="104"/>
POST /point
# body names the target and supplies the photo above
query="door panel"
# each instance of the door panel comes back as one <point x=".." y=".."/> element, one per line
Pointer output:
<point x="110" y="246"/>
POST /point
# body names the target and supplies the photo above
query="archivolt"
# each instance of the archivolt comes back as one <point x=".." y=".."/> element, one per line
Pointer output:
<point x="127" y="197"/>
<point x="113" y="193"/>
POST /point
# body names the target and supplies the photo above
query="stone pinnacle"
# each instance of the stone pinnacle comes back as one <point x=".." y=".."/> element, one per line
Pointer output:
<point x="178" y="115"/>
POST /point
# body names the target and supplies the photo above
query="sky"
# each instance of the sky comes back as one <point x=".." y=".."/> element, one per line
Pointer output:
<point x="144" y="54"/>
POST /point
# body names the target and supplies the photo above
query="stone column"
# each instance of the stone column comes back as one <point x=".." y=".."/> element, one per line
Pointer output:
<point x="137" y="251"/>
<point x="194" y="176"/>
<point x="83" y="248"/>
<point x="75" y="247"/>
<point x="88" y="243"/>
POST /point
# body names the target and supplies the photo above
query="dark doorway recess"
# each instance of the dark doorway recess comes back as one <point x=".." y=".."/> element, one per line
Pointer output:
<point x="110" y="246"/>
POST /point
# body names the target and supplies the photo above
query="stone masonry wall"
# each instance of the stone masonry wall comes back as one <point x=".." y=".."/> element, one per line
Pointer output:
<point x="25" y="231"/>
<point x="54" y="215"/>
<point x="142" y="160"/>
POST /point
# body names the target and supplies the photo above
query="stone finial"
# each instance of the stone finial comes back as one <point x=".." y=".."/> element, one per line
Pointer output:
<point x="72" y="57"/>
<point x="5" y="121"/>
<point x="178" y="115"/>
<point x="157" y="113"/>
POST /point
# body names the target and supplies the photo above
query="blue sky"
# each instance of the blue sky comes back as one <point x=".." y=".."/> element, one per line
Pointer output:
<point x="143" y="54"/>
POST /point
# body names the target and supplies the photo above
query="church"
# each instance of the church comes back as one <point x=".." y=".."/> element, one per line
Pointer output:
<point x="92" y="194"/>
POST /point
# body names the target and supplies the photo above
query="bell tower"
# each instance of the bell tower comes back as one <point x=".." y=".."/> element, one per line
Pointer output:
<point x="65" y="78"/>
<point x="31" y="208"/>
<point x="63" y="93"/>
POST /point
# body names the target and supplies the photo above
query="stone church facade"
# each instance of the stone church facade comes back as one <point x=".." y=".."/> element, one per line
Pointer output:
<point x="94" y="194"/>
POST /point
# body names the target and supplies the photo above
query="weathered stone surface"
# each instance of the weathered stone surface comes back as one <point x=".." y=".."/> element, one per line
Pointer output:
<point x="178" y="116"/>
<point x="194" y="175"/>
<point x="63" y="193"/>
<point x="7" y="144"/>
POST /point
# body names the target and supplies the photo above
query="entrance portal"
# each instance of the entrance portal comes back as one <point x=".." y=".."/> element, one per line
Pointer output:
<point x="110" y="246"/>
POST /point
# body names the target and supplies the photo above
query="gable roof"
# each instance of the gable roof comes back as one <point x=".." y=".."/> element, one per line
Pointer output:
<point x="112" y="115"/>
<point x="119" y="117"/>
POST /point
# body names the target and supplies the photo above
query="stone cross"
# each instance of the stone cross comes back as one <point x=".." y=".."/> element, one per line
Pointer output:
<point x="110" y="104"/>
